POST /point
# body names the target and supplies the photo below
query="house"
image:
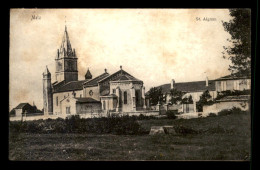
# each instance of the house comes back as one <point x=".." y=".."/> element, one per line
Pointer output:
<point x="233" y="82"/>
<point x="24" y="108"/>
<point x="194" y="89"/>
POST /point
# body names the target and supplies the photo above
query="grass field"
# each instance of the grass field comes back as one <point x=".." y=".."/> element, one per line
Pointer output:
<point x="219" y="138"/>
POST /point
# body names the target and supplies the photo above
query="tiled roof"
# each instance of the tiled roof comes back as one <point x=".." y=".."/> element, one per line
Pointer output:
<point x="71" y="86"/>
<point x="195" y="86"/>
<point x="233" y="77"/>
<point x="94" y="81"/>
<point x="21" y="105"/>
<point x="86" y="100"/>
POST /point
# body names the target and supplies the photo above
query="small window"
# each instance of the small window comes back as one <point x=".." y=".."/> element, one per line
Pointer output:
<point x="125" y="97"/>
<point x="114" y="91"/>
<point x="57" y="101"/>
<point x="68" y="110"/>
<point x="104" y="105"/>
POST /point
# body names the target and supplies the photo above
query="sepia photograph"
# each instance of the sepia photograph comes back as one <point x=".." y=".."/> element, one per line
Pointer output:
<point x="135" y="84"/>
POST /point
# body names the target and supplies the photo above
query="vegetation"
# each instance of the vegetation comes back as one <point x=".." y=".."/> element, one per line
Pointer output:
<point x="222" y="94"/>
<point x="176" y="96"/>
<point x="187" y="100"/>
<point x="125" y="125"/>
<point x="224" y="137"/>
<point x="240" y="51"/>
<point x="204" y="100"/>
<point x="171" y="114"/>
<point x="234" y="110"/>
<point x="155" y="95"/>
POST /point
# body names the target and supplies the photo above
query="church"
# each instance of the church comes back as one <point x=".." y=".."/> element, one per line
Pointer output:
<point x="106" y="93"/>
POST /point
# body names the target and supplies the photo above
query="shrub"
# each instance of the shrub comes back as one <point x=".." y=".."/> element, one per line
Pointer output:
<point x="124" y="125"/>
<point x="185" y="130"/>
<point x="171" y="114"/>
<point x="234" y="110"/>
<point x="212" y="115"/>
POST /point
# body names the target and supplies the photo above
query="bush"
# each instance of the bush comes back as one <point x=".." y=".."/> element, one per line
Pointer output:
<point x="171" y="114"/>
<point x="125" y="125"/>
<point x="185" y="130"/>
<point x="212" y="115"/>
<point x="234" y="110"/>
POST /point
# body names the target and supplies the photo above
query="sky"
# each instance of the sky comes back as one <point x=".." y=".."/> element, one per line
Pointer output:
<point x="154" y="45"/>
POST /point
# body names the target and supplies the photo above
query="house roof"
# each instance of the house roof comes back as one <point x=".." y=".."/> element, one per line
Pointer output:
<point x="195" y="86"/>
<point x="86" y="100"/>
<point x="233" y="77"/>
<point x="94" y="81"/>
<point x="21" y="105"/>
<point x="71" y="86"/>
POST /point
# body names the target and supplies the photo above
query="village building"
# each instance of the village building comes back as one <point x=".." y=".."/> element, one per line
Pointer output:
<point x="25" y="108"/>
<point x="117" y="92"/>
<point x="232" y="82"/>
<point x="197" y="88"/>
<point x="194" y="89"/>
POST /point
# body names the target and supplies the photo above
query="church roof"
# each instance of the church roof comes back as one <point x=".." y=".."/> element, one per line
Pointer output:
<point x="94" y="81"/>
<point x="71" y="86"/>
<point x="123" y="76"/>
<point x="88" y="75"/>
<point x="86" y="100"/>
<point x="194" y="86"/>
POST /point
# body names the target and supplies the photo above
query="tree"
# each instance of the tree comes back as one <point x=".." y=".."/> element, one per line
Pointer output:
<point x="240" y="51"/>
<point x="176" y="96"/>
<point x="204" y="99"/>
<point x="187" y="100"/>
<point x="155" y="95"/>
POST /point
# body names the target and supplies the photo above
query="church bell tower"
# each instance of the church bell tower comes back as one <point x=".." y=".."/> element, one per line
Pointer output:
<point x="66" y="61"/>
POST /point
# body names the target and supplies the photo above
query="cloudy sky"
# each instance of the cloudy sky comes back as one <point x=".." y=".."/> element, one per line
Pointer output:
<point x="154" y="45"/>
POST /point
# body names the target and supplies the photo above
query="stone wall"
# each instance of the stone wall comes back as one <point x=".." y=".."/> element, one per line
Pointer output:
<point x="217" y="107"/>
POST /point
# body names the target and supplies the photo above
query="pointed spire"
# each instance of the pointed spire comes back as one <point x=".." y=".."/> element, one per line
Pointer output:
<point x="88" y="75"/>
<point x="47" y="72"/>
<point x="65" y="48"/>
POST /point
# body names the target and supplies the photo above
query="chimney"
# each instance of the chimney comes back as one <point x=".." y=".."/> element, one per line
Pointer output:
<point x="172" y="83"/>
<point x="105" y="70"/>
<point x="207" y="81"/>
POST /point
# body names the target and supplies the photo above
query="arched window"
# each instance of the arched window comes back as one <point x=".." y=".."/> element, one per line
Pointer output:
<point x="125" y="97"/>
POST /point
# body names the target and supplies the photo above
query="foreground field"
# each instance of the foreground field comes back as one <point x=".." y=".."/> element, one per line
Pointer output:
<point x="218" y="138"/>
